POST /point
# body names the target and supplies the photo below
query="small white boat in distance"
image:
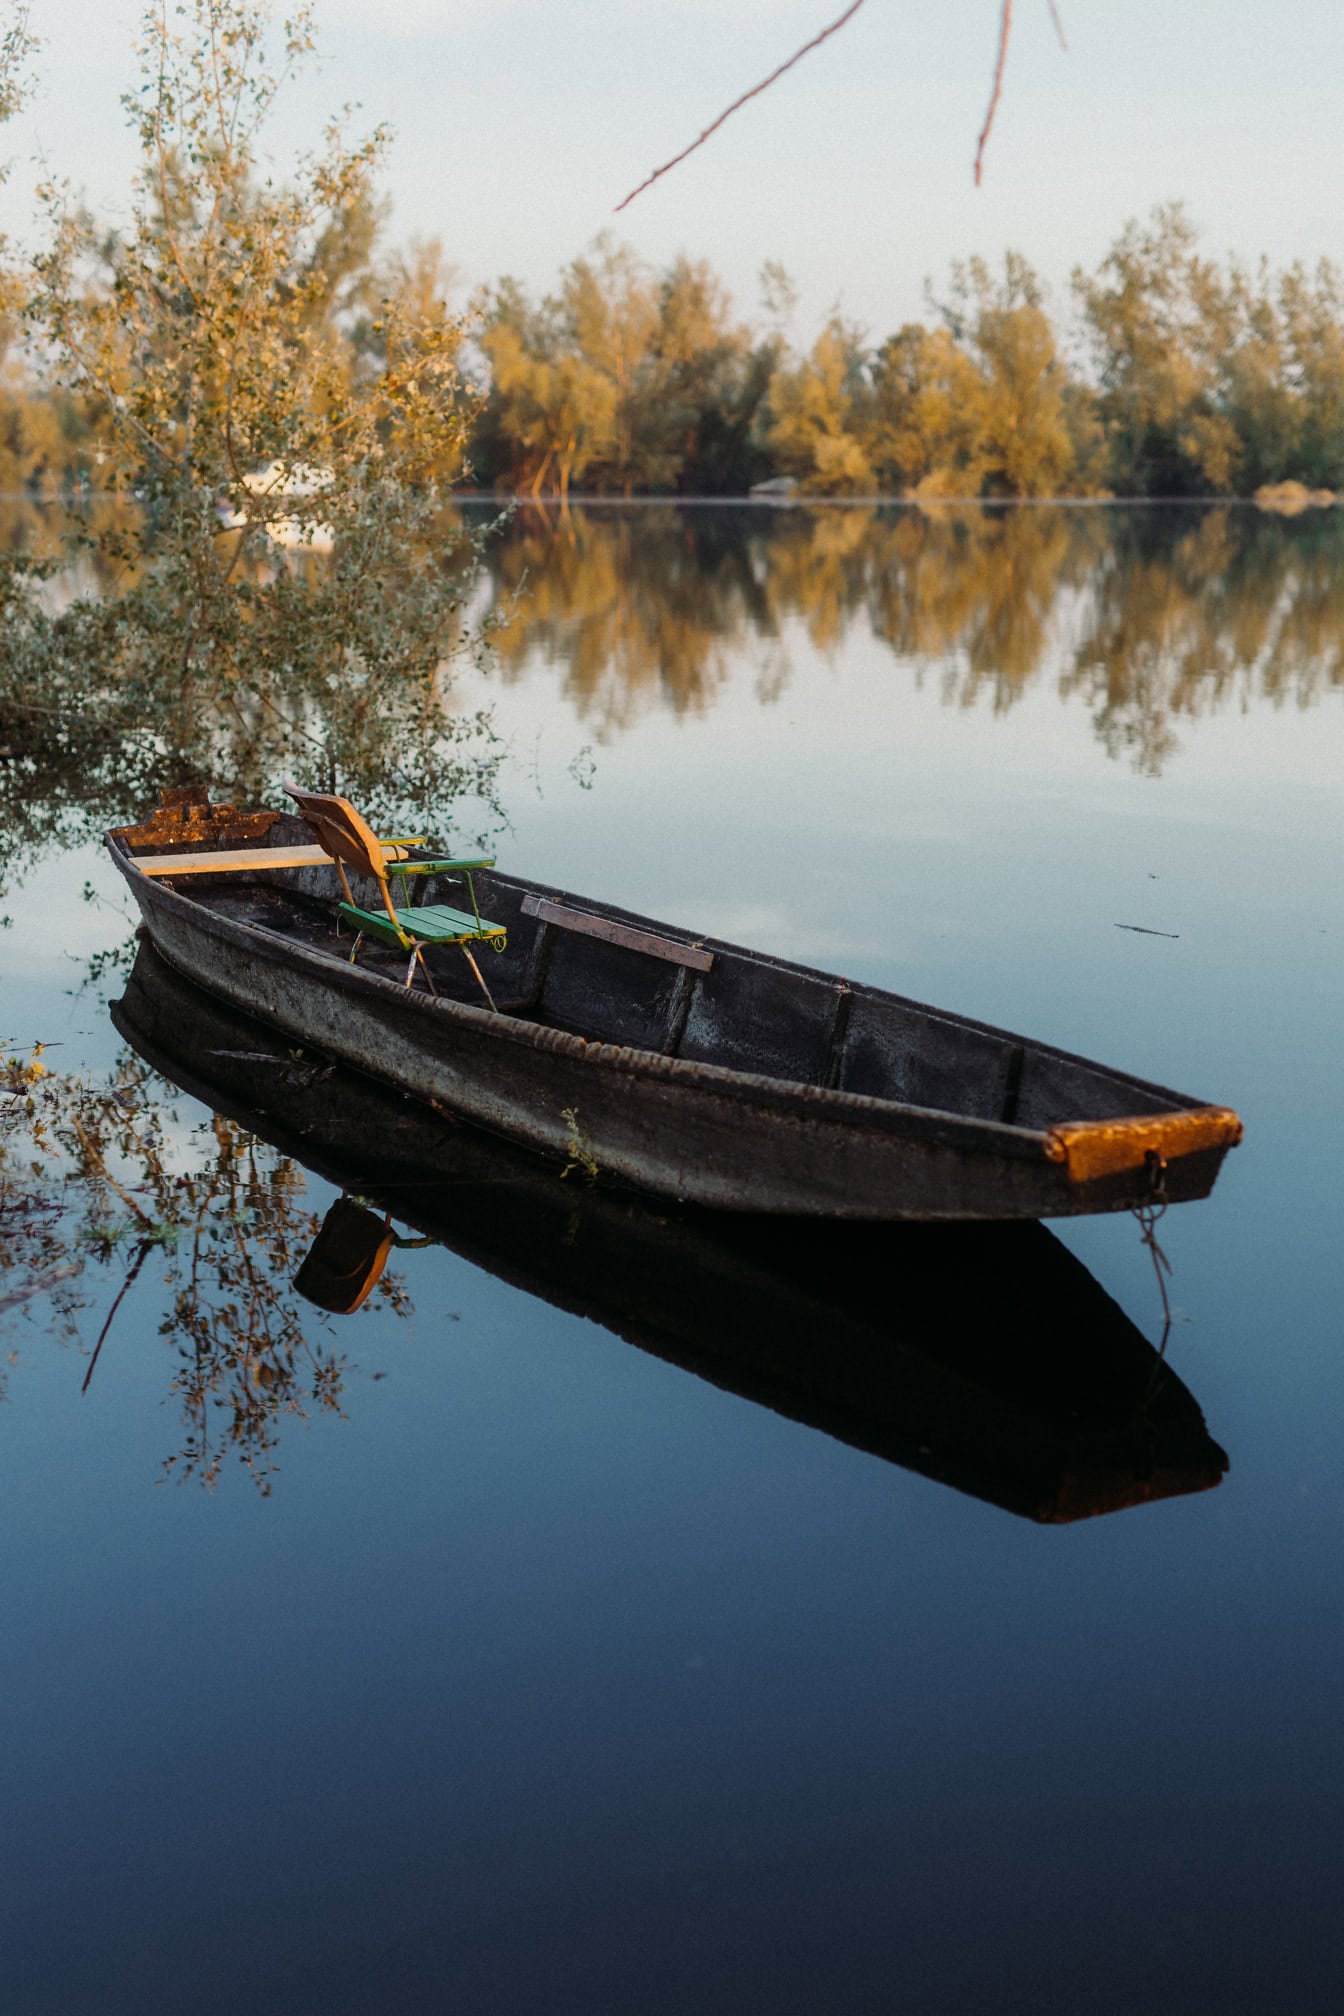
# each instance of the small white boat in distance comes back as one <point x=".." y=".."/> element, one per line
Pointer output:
<point x="281" y="482"/>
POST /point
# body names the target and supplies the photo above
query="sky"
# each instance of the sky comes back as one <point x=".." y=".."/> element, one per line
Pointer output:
<point x="520" y="124"/>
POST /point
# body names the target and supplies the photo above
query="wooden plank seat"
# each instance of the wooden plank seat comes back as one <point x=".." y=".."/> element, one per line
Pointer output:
<point x="348" y="841"/>
<point x="654" y="943"/>
<point x="238" y="860"/>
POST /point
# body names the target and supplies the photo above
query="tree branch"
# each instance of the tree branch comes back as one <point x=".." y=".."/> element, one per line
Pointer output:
<point x="1005" y="30"/>
<point x="754" y="92"/>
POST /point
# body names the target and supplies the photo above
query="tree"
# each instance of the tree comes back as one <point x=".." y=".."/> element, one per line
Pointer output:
<point x="29" y="427"/>
<point x="819" y="408"/>
<point x="1161" y="323"/>
<point x="213" y="339"/>
<point x="706" y="389"/>
<point x="549" y="410"/>
<point x="1024" y="437"/>
<point x="926" y="431"/>
<point x="1255" y="394"/>
<point x="1312" y="311"/>
<point x="622" y="381"/>
<point x="608" y="317"/>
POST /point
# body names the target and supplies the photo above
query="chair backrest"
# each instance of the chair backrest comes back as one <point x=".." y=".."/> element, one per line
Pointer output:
<point x="339" y="829"/>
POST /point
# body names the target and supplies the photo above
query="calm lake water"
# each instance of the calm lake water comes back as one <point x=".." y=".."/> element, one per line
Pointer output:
<point x="461" y="1654"/>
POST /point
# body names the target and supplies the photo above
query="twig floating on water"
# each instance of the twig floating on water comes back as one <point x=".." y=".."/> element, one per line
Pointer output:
<point x="1147" y="931"/>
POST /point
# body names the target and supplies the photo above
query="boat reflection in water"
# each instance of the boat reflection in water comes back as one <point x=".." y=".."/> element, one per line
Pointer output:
<point x="983" y="1355"/>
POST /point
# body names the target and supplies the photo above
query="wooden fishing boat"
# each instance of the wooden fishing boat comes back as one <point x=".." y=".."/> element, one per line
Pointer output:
<point x="682" y="1065"/>
<point x="887" y="1337"/>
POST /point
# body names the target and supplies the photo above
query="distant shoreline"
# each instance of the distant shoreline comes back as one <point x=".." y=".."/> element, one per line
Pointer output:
<point x="810" y="500"/>
<point x="813" y="500"/>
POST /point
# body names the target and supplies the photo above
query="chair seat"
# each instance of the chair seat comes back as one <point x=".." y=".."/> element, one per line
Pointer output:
<point x="430" y="924"/>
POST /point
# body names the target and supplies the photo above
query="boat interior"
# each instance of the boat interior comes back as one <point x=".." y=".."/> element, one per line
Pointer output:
<point x="612" y="977"/>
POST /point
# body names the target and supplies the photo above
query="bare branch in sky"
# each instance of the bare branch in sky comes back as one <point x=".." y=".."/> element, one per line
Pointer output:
<point x="737" y="103"/>
<point x="1005" y="30"/>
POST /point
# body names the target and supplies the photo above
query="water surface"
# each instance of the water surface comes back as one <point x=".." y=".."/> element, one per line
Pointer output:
<point x="505" y="1665"/>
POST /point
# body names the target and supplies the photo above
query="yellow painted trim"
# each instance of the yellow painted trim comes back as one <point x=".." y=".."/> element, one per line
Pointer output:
<point x="1092" y="1148"/>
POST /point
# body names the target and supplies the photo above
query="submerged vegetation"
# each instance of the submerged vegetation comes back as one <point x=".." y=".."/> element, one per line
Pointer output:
<point x="257" y="424"/>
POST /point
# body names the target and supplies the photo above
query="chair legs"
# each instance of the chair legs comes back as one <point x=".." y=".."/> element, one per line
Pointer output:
<point x="467" y="953"/>
<point x="481" y="978"/>
<point x="417" y="953"/>
<point x="410" y="971"/>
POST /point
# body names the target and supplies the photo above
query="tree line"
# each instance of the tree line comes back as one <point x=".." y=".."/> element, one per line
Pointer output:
<point x="1173" y="375"/>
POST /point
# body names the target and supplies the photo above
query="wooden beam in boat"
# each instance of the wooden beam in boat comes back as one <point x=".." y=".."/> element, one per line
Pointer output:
<point x="650" y="942"/>
<point x="236" y="860"/>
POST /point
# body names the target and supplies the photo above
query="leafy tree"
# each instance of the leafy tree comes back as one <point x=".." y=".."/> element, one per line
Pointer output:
<point x="927" y="423"/>
<point x="571" y="379"/>
<point x="28" y="426"/>
<point x="608" y="316"/>
<point x="706" y="386"/>
<point x="1255" y="394"/>
<point x="550" y="411"/>
<point x="819" y="407"/>
<point x="1024" y="438"/>
<point x="213" y="341"/>
<point x="622" y="382"/>
<point x="1311" y="306"/>
<point x="1161" y="322"/>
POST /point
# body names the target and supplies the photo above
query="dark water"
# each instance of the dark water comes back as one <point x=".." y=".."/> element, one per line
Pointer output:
<point x="509" y="1666"/>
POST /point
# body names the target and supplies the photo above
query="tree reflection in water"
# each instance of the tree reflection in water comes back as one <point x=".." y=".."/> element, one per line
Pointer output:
<point x="1147" y="615"/>
<point x="97" y="1182"/>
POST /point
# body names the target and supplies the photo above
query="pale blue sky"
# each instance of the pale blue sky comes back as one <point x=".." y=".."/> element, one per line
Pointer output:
<point x="521" y="123"/>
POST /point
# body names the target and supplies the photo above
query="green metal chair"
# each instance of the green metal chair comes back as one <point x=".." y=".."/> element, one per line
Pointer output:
<point x="345" y="837"/>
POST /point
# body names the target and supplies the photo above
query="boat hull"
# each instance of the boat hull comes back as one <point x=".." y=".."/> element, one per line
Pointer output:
<point x="702" y="1133"/>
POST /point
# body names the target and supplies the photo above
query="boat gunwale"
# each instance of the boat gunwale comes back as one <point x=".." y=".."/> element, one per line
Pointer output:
<point x="758" y="1089"/>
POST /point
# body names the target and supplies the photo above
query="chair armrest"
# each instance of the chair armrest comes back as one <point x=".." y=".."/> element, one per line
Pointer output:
<point x="439" y="867"/>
